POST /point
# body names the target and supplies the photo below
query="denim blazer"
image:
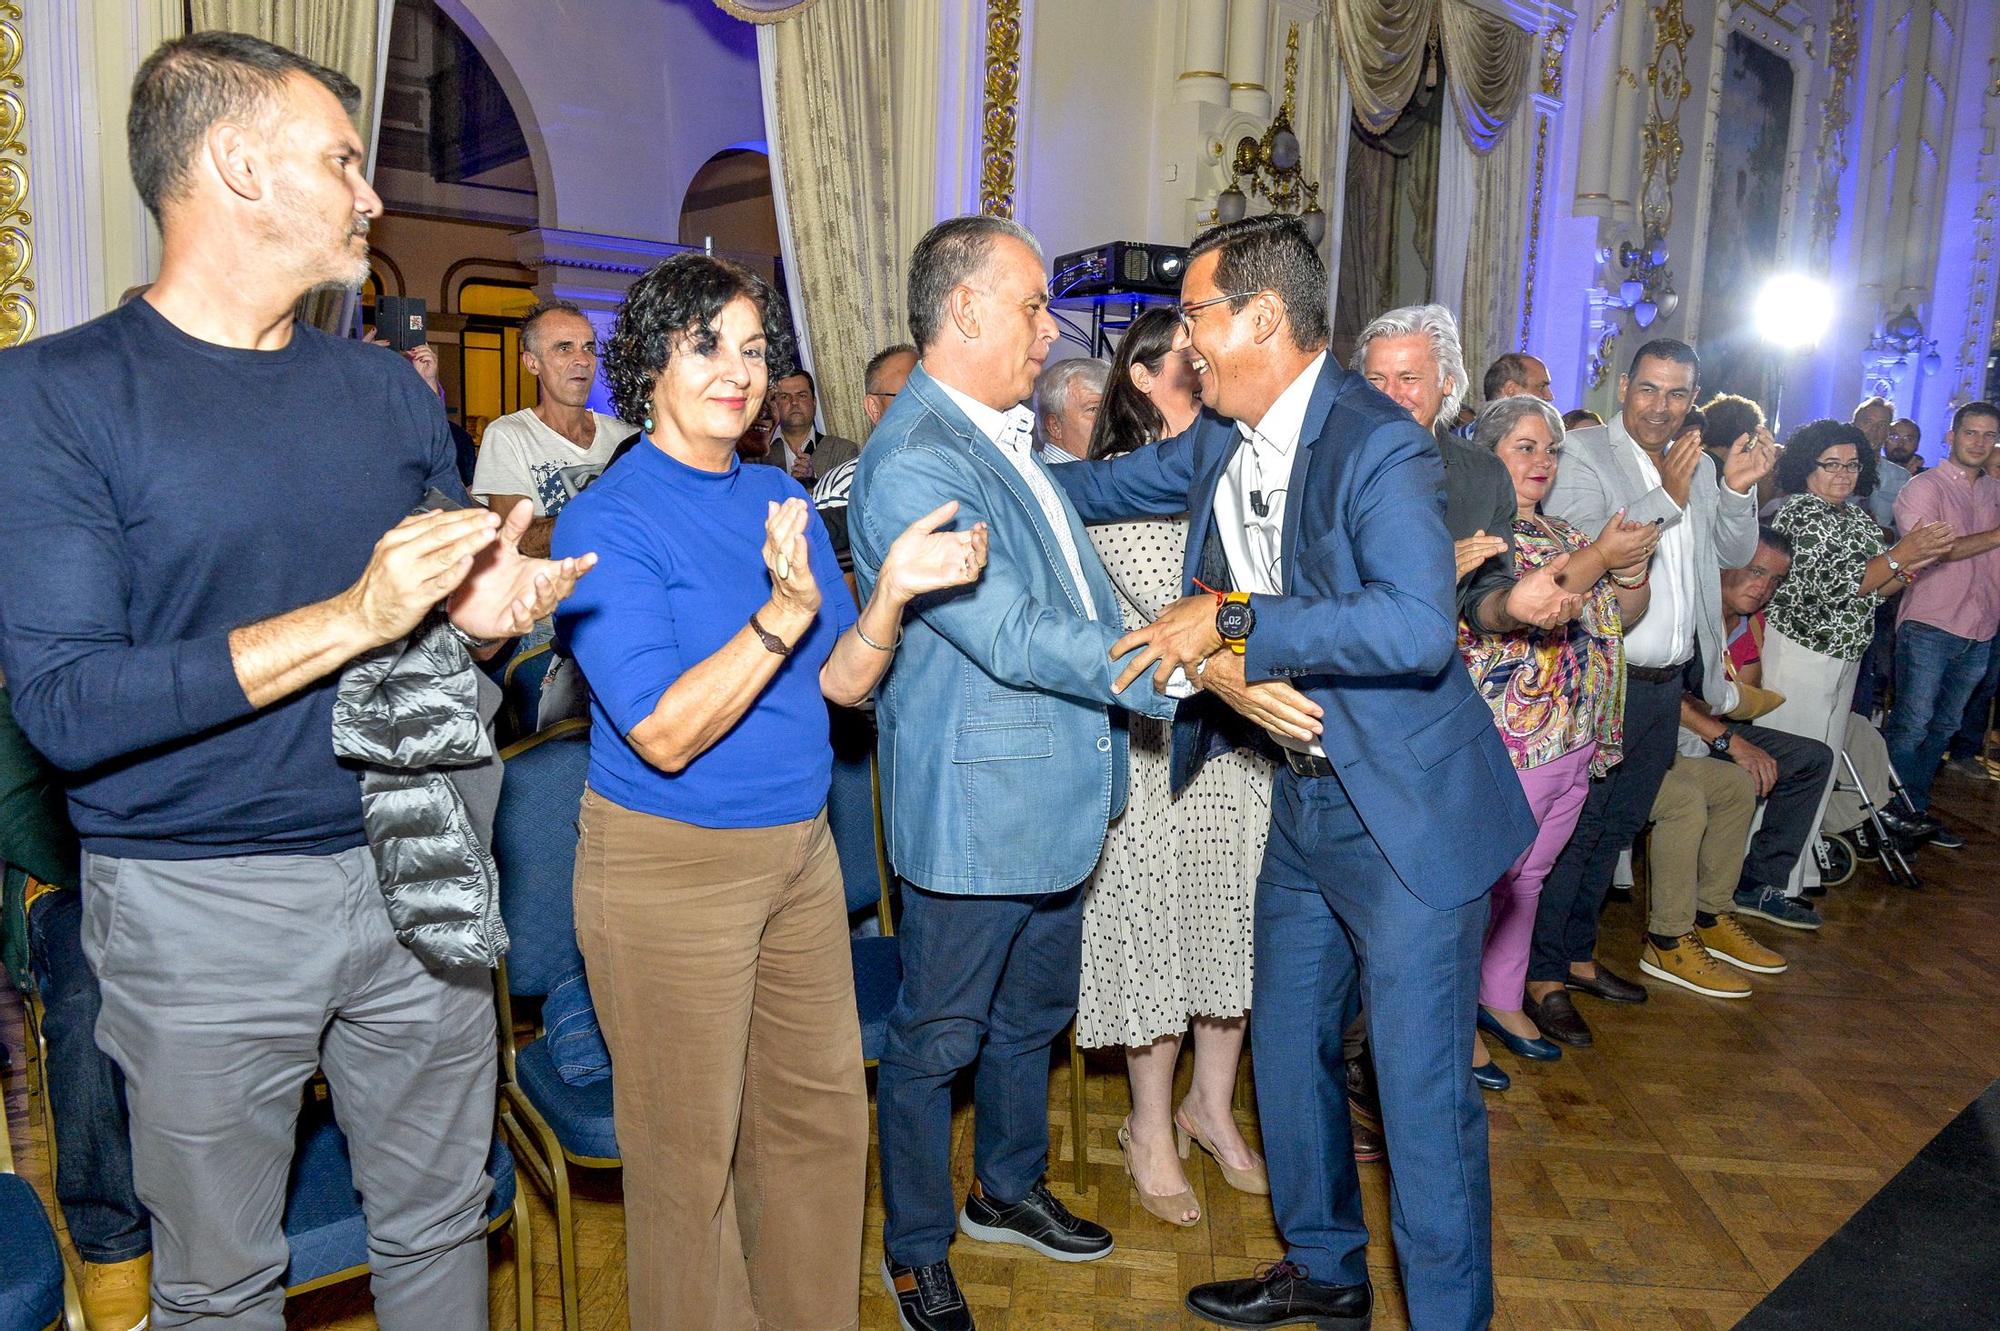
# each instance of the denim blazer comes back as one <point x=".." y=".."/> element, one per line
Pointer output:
<point x="1366" y="626"/>
<point x="1002" y="746"/>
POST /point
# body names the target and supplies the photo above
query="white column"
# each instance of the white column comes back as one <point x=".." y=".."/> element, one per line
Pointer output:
<point x="1250" y="57"/>
<point x="1204" y="53"/>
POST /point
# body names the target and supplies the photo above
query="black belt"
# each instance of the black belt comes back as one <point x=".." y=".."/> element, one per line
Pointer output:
<point x="1656" y="674"/>
<point x="1307" y="764"/>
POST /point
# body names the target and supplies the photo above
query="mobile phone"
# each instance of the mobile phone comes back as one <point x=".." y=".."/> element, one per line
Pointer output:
<point x="400" y="321"/>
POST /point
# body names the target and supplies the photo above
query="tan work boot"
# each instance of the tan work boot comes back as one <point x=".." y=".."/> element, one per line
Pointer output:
<point x="1688" y="964"/>
<point x="116" y="1295"/>
<point x="1727" y="940"/>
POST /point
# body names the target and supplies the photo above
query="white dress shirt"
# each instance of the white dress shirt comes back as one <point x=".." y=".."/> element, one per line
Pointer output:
<point x="1013" y="433"/>
<point x="1257" y="477"/>
<point x="1664" y="635"/>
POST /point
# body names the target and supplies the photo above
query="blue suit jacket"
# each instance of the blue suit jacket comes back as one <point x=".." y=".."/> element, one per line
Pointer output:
<point x="1002" y="748"/>
<point x="1367" y="627"/>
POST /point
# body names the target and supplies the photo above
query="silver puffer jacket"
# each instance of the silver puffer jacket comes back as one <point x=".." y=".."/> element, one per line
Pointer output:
<point x="412" y="718"/>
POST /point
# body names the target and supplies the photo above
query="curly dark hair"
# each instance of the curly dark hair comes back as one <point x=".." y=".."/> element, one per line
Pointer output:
<point x="674" y="308"/>
<point x="1727" y="418"/>
<point x="1809" y="441"/>
<point x="1127" y="418"/>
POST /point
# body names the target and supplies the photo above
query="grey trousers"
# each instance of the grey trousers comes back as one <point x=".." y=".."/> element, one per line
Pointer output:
<point x="225" y="984"/>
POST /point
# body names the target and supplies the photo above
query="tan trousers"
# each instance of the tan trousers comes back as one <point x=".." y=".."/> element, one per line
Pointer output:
<point x="1701" y="828"/>
<point x="720" y="969"/>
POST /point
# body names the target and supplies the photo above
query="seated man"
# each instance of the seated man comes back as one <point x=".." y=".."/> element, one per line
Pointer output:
<point x="1701" y="818"/>
<point x="1790" y="770"/>
<point x="106" y="1221"/>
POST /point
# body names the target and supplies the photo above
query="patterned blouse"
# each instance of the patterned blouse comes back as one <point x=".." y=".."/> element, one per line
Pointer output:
<point x="1820" y="605"/>
<point x="1553" y="691"/>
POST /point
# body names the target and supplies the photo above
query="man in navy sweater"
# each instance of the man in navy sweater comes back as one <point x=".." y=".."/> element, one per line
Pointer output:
<point x="206" y="519"/>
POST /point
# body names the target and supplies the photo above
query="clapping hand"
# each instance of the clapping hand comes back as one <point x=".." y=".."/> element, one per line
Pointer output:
<point x="1677" y="468"/>
<point x="506" y="591"/>
<point x="1750" y="460"/>
<point x="1475" y="550"/>
<point x="1538" y="597"/>
<point x="1924" y="546"/>
<point x="788" y="559"/>
<point x="924" y="559"/>
<point x="1626" y="546"/>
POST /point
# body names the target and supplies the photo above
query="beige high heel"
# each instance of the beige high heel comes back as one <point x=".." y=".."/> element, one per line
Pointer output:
<point x="1173" y="1207"/>
<point x="1256" y="1179"/>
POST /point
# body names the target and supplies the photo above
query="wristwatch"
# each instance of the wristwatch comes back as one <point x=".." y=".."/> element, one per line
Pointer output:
<point x="1719" y="746"/>
<point x="1234" y="619"/>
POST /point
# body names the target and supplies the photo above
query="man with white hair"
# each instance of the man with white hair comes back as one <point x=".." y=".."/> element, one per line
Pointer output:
<point x="1412" y="355"/>
<point x="1067" y="395"/>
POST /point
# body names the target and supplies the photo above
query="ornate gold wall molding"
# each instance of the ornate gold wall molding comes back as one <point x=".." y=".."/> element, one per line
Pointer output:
<point x="1003" y="94"/>
<point x="17" y="246"/>
<point x="1660" y="162"/>
<point x="1843" y="49"/>
<point x="1555" y="44"/>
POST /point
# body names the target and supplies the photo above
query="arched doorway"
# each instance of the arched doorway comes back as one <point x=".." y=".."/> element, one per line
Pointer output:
<point x="729" y="208"/>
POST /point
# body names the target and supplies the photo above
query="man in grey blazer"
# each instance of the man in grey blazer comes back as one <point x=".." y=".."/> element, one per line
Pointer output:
<point x="1643" y="464"/>
<point x="797" y="444"/>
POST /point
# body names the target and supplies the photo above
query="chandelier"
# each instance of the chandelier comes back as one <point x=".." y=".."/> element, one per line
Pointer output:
<point x="1269" y="168"/>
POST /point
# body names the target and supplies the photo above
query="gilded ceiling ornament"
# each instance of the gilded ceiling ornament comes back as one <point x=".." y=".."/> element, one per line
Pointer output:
<point x="1660" y="162"/>
<point x="17" y="246"/>
<point x="1003" y="92"/>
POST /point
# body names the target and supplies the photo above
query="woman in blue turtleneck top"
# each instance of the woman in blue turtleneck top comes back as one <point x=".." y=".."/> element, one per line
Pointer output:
<point x="709" y="904"/>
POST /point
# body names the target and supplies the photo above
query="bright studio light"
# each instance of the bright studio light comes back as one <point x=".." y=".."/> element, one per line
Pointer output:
<point x="1793" y="311"/>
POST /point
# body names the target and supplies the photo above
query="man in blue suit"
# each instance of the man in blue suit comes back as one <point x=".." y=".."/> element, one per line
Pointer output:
<point x="1317" y="515"/>
<point x="1002" y="759"/>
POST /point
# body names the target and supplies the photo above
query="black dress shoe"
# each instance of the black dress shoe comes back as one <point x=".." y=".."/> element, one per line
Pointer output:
<point x="927" y="1297"/>
<point x="1491" y="1077"/>
<point x="1912" y="830"/>
<point x="1556" y="1017"/>
<point x="1280" y="1295"/>
<point x="1037" y="1221"/>
<point x="1606" y="986"/>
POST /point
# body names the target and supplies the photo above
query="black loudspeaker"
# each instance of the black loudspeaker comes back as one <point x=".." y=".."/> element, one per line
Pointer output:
<point x="1120" y="267"/>
<point x="399" y="320"/>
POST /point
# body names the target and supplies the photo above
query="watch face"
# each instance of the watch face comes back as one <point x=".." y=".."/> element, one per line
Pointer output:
<point x="1234" y="620"/>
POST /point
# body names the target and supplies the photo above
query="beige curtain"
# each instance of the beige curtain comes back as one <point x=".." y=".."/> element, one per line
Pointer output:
<point x="351" y="36"/>
<point x="1490" y="313"/>
<point x="1382" y="49"/>
<point x="1490" y="60"/>
<point x="827" y="99"/>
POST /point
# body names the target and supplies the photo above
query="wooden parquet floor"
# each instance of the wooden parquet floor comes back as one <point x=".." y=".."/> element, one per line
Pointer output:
<point x="1665" y="1179"/>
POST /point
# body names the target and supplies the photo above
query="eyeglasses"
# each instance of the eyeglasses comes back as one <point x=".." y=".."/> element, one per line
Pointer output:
<point x="1182" y="312"/>
<point x="1832" y="468"/>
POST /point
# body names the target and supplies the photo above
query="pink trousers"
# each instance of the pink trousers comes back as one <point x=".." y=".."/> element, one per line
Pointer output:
<point x="1555" y="792"/>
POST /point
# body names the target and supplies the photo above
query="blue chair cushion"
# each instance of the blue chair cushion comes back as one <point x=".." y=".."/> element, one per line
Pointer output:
<point x="324" y="1223"/>
<point x="31" y="1271"/>
<point x="579" y="1115"/>
<point x="575" y="1042"/>
<point x="878" y="974"/>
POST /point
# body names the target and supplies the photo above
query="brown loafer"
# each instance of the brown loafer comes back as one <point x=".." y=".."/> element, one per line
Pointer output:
<point x="1606" y="986"/>
<point x="1367" y="1133"/>
<point x="1557" y="1018"/>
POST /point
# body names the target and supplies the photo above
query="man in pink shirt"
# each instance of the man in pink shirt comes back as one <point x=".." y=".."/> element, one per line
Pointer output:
<point x="1949" y="613"/>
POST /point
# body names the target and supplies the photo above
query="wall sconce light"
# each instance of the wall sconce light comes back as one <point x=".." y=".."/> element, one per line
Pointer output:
<point x="1902" y="339"/>
<point x="1269" y="168"/>
<point x="1647" y="289"/>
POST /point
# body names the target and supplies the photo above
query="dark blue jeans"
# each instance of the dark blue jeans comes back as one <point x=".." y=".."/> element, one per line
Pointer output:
<point x="86" y="1092"/>
<point x="1334" y="920"/>
<point x="987" y="981"/>
<point x="1936" y="673"/>
<point x="1970" y="741"/>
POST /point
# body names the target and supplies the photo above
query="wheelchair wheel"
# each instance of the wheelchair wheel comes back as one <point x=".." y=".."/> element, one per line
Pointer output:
<point x="1836" y="859"/>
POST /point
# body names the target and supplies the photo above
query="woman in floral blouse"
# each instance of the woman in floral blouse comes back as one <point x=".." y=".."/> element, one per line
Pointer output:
<point x="1821" y="618"/>
<point x="1558" y="695"/>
